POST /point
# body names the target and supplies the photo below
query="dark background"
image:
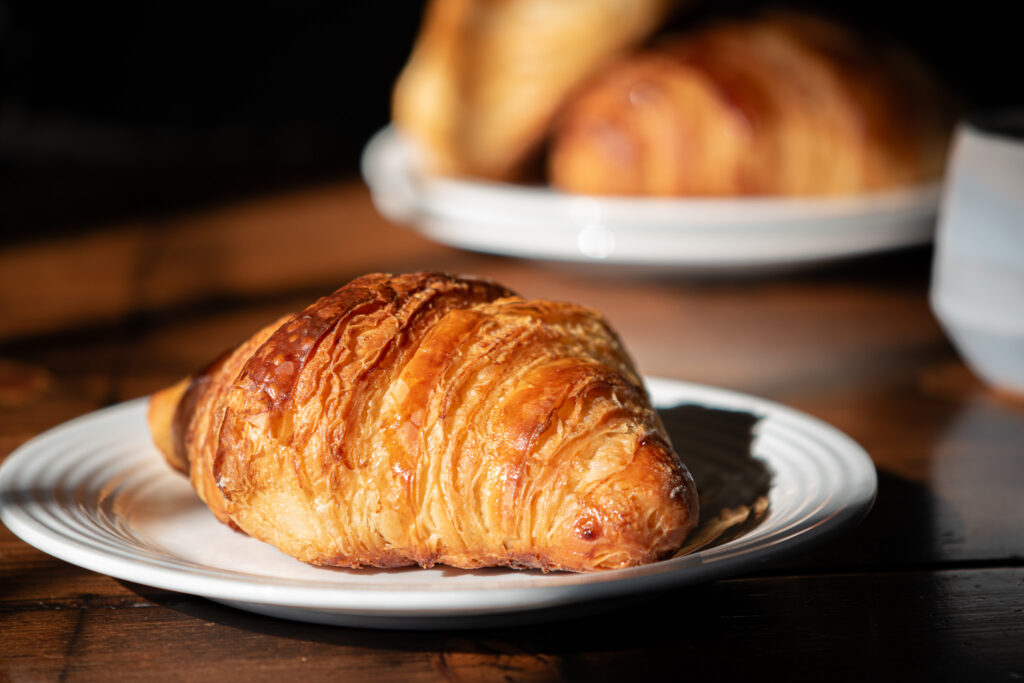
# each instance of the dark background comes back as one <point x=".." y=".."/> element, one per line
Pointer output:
<point x="154" y="107"/>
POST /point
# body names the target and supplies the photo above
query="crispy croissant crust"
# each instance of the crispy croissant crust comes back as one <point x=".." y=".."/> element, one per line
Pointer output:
<point x="422" y="419"/>
<point x="783" y="105"/>
<point x="485" y="78"/>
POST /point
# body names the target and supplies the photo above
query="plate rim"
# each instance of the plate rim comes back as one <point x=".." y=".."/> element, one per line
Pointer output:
<point x="560" y="589"/>
<point x="696" y="231"/>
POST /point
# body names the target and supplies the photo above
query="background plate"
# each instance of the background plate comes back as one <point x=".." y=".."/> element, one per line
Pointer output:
<point x="96" y="493"/>
<point x="695" y="234"/>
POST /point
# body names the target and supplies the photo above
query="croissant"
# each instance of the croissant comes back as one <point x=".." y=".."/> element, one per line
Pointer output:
<point x="780" y="105"/>
<point x="423" y="418"/>
<point x="484" y="78"/>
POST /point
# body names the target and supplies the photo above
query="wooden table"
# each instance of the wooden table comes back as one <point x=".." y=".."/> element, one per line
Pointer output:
<point x="930" y="586"/>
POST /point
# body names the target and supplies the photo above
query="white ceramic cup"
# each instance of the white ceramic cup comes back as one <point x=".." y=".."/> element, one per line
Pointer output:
<point x="977" y="289"/>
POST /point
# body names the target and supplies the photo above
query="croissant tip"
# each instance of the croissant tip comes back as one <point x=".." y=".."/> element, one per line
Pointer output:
<point x="160" y="415"/>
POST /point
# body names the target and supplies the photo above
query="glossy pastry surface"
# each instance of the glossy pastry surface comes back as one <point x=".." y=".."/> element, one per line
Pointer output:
<point x="422" y="419"/>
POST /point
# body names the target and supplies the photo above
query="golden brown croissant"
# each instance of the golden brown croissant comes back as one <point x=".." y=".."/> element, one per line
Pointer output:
<point x="485" y="77"/>
<point x="783" y="105"/>
<point x="422" y="419"/>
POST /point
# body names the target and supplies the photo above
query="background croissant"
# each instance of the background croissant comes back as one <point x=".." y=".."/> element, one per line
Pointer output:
<point x="424" y="419"/>
<point x="485" y="78"/>
<point x="782" y="105"/>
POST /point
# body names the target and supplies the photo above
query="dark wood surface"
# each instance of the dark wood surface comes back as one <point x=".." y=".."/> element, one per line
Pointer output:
<point x="930" y="586"/>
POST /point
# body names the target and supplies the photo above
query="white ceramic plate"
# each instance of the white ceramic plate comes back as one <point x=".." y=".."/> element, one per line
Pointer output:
<point x="693" y="234"/>
<point x="95" y="492"/>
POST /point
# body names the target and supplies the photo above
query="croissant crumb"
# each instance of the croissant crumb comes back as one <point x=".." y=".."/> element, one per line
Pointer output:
<point x="425" y="419"/>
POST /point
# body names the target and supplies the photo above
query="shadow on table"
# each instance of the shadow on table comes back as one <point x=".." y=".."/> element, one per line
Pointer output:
<point x="908" y="526"/>
<point x="802" y="625"/>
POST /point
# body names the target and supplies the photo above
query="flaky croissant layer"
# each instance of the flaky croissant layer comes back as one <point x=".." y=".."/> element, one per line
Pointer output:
<point x="422" y="419"/>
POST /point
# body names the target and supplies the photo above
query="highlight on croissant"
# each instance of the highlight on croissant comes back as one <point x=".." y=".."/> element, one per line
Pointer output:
<point x="423" y="418"/>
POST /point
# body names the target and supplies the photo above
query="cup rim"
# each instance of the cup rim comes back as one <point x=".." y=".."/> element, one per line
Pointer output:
<point x="995" y="122"/>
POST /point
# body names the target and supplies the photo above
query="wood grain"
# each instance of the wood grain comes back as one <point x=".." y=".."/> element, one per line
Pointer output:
<point x="919" y="625"/>
<point x="319" y="237"/>
<point x="929" y="587"/>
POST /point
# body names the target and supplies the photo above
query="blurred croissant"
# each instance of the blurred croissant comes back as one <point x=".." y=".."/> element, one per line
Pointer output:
<point x="485" y="77"/>
<point x="422" y="419"/>
<point x="783" y="105"/>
